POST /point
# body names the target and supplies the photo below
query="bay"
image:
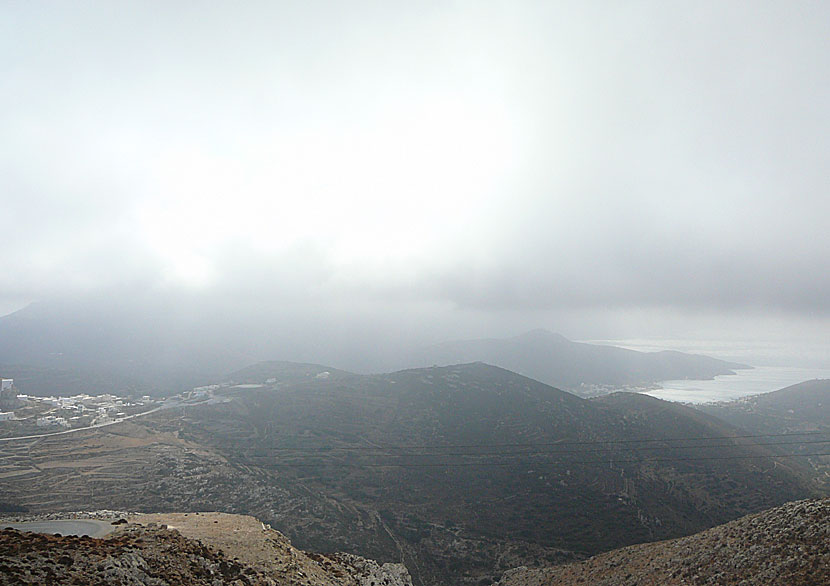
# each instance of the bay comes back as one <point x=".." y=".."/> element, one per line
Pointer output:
<point x="743" y="383"/>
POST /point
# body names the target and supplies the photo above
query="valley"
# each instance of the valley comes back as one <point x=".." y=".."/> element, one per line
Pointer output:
<point x="397" y="293"/>
<point x="460" y="473"/>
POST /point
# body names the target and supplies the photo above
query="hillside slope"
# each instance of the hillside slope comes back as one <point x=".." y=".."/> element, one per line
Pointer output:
<point x="459" y="472"/>
<point x="801" y="407"/>
<point x="785" y="546"/>
<point x="471" y="463"/>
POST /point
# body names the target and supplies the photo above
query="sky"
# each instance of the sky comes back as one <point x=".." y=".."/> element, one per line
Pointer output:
<point x="431" y="170"/>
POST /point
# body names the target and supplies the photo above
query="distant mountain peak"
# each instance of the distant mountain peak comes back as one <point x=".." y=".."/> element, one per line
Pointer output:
<point x="542" y="335"/>
<point x="581" y="367"/>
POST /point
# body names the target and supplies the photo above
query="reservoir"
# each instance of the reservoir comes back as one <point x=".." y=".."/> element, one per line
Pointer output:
<point x="88" y="527"/>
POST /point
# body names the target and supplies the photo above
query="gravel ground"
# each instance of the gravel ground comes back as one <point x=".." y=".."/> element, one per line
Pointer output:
<point x="176" y="550"/>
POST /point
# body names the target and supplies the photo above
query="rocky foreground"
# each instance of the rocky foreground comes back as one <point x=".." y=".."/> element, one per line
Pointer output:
<point x="208" y="549"/>
<point x="786" y="546"/>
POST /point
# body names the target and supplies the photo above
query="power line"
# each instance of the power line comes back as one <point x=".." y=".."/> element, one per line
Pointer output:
<point x="584" y="451"/>
<point x="531" y="444"/>
<point x="505" y="464"/>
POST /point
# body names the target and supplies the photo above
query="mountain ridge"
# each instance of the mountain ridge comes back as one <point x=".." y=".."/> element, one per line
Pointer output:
<point x="158" y="346"/>
<point x="555" y="360"/>
<point x="462" y="471"/>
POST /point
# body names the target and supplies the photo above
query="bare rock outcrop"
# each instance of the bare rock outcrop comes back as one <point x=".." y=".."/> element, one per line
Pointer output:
<point x="784" y="546"/>
<point x="210" y="549"/>
<point x="371" y="573"/>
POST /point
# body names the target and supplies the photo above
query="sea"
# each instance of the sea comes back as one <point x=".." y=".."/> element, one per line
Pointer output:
<point x="775" y="366"/>
<point x="88" y="527"/>
<point x="761" y="379"/>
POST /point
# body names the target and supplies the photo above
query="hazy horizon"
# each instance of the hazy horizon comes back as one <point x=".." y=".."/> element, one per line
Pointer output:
<point x="366" y="176"/>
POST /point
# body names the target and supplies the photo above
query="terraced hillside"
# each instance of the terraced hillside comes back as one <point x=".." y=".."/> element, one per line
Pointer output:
<point x="458" y="472"/>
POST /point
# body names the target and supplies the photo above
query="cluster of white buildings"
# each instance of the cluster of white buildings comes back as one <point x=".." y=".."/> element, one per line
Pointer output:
<point x="103" y="408"/>
<point x="66" y="411"/>
<point x="52" y="421"/>
<point x="69" y="412"/>
<point x="200" y="392"/>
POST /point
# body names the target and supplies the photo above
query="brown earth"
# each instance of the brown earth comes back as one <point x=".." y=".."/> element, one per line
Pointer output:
<point x="256" y="545"/>
<point x="184" y="549"/>
<point x="785" y="546"/>
<point x="134" y="556"/>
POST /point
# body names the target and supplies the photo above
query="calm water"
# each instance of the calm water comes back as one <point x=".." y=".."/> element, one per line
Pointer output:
<point x="762" y="379"/>
<point x="89" y="527"/>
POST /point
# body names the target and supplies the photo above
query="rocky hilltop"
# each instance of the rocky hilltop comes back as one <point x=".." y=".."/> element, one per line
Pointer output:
<point x="788" y="545"/>
<point x="184" y="549"/>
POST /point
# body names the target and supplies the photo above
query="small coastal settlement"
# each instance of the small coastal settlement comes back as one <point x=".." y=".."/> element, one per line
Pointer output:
<point x="22" y="414"/>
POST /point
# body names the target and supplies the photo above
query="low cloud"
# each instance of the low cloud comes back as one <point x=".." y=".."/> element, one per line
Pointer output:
<point x="463" y="168"/>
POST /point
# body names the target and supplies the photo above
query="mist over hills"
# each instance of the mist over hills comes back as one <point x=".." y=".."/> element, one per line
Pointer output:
<point x="345" y="220"/>
<point x="157" y="345"/>
<point x="559" y="362"/>
<point x="462" y="471"/>
<point x="70" y="347"/>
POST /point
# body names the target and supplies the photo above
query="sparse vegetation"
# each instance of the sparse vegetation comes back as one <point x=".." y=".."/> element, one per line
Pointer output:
<point x="334" y="463"/>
